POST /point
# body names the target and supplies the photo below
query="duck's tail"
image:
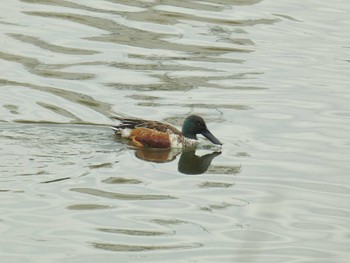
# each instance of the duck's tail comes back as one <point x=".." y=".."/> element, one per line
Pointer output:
<point x="126" y="125"/>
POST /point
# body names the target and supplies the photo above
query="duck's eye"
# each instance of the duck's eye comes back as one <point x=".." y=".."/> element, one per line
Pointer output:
<point x="198" y="123"/>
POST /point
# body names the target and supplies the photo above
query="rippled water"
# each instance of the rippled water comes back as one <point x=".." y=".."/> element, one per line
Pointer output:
<point x="271" y="78"/>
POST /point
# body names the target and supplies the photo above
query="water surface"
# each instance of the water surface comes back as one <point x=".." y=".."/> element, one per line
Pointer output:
<point x="271" y="80"/>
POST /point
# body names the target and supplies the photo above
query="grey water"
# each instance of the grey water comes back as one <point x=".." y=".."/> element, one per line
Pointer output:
<point x="271" y="79"/>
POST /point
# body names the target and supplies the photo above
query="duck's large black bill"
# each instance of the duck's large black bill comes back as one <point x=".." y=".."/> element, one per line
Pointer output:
<point x="207" y="134"/>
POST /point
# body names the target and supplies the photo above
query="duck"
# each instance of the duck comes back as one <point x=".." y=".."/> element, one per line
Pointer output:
<point x="154" y="134"/>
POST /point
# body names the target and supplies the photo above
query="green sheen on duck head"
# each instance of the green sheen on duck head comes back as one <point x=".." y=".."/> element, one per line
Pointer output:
<point x="194" y="125"/>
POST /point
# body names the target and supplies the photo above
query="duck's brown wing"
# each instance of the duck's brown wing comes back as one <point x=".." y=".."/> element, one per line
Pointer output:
<point x="160" y="127"/>
<point x="153" y="125"/>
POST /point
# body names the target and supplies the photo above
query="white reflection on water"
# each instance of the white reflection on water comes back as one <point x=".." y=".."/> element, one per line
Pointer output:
<point x="271" y="78"/>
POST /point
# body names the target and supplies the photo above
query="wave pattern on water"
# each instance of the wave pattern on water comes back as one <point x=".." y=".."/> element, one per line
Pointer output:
<point x="271" y="80"/>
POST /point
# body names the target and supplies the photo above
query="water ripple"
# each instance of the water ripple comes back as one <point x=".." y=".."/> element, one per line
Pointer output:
<point x="134" y="248"/>
<point x="270" y="79"/>
<point x="121" y="196"/>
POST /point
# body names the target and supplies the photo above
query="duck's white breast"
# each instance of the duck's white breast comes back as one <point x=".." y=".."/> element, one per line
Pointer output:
<point x="177" y="141"/>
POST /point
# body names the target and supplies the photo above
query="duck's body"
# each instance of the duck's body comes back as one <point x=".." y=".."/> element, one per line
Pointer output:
<point x="154" y="134"/>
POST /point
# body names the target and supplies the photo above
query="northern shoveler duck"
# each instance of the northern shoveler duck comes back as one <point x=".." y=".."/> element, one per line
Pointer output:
<point x="154" y="134"/>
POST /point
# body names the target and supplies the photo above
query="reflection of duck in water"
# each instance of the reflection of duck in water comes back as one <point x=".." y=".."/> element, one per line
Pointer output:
<point x="189" y="162"/>
<point x="157" y="155"/>
<point x="154" y="134"/>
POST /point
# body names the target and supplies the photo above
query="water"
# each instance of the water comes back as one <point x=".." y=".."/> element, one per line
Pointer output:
<point x="270" y="78"/>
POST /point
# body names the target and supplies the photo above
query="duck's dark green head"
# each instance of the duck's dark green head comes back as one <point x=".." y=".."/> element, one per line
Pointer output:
<point x="194" y="125"/>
